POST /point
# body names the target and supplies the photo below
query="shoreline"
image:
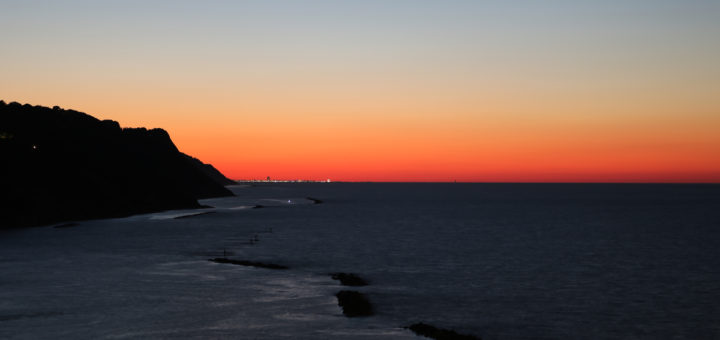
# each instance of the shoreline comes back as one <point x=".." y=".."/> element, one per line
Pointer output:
<point x="422" y="263"/>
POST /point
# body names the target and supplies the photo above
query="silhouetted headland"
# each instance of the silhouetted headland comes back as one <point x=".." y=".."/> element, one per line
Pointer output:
<point x="62" y="165"/>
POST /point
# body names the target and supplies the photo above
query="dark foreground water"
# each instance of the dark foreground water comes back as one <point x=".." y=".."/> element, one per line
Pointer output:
<point x="501" y="261"/>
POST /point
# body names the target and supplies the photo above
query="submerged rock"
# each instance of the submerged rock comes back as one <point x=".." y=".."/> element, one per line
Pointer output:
<point x="354" y="303"/>
<point x="433" y="332"/>
<point x="349" y="279"/>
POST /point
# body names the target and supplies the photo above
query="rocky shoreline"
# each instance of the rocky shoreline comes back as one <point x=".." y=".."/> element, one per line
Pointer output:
<point x="353" y="303"/>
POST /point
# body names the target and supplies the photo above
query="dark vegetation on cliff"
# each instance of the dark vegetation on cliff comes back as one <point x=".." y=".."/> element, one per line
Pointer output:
<point x="58" y="165"/>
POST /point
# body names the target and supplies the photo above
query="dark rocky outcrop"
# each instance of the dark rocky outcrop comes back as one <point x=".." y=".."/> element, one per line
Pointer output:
<point x="62" y="165"/>
<point x="354" y="303"/>
<point x="349" y="279"/>
<point x="439" y="333"/>
<point x="248" y="263"/>
<point x="210" y="171"/>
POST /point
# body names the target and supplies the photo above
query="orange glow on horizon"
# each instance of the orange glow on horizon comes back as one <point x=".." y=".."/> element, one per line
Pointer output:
<point x="431" y="147"/>
<point x="453" y="151"/>
<point x="486" y="91"/>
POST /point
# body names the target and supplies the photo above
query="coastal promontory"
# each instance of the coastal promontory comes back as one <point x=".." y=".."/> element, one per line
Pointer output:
<point x="60" y="165"/>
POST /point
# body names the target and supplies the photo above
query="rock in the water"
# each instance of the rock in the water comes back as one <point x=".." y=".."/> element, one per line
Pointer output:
<point x="349" y="279"/>
<point x="354" y="303"/>
<point x="433" y="332"/>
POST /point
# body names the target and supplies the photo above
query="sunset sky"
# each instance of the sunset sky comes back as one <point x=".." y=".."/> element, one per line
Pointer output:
<point x="392" y="90"/>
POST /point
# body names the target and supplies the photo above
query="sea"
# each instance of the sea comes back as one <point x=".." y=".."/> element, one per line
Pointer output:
<point x="498" y="261"/>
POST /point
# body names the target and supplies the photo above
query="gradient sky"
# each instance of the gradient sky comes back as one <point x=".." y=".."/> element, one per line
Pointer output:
<point x="394" y="90"/>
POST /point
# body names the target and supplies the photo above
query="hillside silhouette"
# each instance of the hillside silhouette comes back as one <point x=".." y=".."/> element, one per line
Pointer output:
<point x="59" y="165"/>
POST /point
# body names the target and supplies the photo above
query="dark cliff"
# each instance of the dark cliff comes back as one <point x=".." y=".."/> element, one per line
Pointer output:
<point x="58" y="165"/>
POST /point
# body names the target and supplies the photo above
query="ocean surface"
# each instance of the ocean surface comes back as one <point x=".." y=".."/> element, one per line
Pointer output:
<point x="499" y="261"/>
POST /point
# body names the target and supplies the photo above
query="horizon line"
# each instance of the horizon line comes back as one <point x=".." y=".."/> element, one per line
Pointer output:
<point x="473" y="182"/>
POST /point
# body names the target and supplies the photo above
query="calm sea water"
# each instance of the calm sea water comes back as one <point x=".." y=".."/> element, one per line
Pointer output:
<point x="501" y="261"/>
